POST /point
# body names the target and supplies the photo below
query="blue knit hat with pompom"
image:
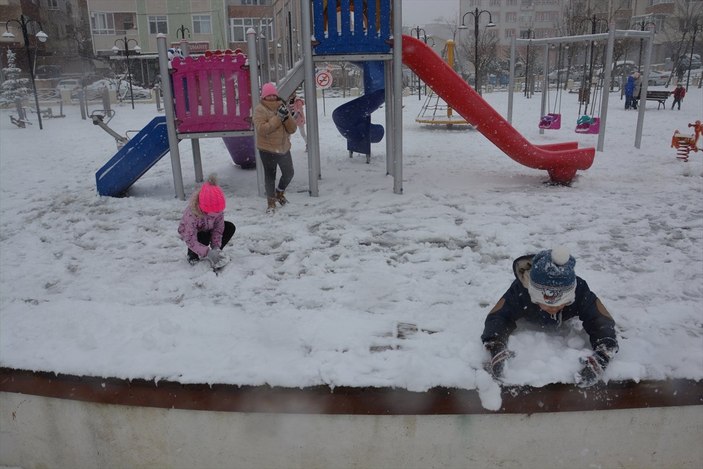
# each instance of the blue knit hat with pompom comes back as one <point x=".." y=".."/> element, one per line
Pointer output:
<point x="552" y="277"/>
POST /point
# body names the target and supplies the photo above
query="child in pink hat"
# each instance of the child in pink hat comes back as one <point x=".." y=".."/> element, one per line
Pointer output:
<point x="274" y="126"/>
<point x="203" y="226"/>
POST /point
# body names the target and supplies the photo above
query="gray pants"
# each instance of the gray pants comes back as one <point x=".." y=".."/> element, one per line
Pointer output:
<point x="271" y="161"/>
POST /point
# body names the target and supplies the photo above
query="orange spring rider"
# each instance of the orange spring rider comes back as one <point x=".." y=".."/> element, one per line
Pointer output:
<point x="685" y="143"/>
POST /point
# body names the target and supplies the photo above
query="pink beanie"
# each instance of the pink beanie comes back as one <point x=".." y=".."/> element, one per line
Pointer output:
<point x="211" y="199"/>
<point x="269" y="89"/>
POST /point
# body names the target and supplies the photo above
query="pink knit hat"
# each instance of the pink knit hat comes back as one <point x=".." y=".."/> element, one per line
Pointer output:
<point x="269" y="89"/>
<point x="211" y="199"/>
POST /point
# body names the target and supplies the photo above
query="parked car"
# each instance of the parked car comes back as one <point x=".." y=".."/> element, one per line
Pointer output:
<point x="657" y="78"/>
<point x="68" y="84"/>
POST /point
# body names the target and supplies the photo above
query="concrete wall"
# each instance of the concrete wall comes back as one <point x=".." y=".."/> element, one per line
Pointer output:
<point x="39" y="432"/>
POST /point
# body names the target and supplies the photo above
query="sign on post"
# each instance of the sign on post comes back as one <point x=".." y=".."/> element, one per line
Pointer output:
<point x="323" y="79"/>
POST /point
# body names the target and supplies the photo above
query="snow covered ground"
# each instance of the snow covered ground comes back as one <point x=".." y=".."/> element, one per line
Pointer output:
<point x="100" y="286"/>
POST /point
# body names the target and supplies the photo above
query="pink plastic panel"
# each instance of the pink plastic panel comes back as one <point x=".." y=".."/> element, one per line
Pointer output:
<point x="212" y="93"/>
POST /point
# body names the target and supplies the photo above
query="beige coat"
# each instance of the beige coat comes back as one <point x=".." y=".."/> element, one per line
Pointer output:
<point x="272" y="135"/>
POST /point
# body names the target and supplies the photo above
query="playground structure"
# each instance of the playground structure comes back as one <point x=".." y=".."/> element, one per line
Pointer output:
<point x="434" y="110"/>
<point x="586" y="124"/>
<point x="212" y="97"/>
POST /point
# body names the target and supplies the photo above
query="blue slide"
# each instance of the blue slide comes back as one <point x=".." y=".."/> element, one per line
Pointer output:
<point x="134" y="159"/>
<point x="353" y="119"/>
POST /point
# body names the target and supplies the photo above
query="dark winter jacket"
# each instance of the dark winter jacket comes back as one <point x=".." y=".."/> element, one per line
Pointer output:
<point x="516" y="304"/>
<point x="630" y="86"/>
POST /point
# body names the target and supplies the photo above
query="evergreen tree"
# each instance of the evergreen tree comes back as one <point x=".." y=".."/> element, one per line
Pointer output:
<point x="13" y="87"/>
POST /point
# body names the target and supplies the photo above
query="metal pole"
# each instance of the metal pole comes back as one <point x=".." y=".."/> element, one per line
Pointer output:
<point x="476" y="79"/>
<point x="511" y="80"/>
<point x="643" y="93"/>
<point x="398" y="98"/>
<point x="310" y="101"/>
<point x="527" y="62"/>
<point x="254" y="89"/>
<point x="170" y="116"/>
<point x="129" y="73"/>
<point x="606" y="88"/>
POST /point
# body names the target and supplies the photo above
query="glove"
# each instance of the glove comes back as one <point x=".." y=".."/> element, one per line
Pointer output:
<point x="214" y="256"/>
<point x="593" y="366"/>
<point x="283" y="112"/>
<point x="499" y="354"/>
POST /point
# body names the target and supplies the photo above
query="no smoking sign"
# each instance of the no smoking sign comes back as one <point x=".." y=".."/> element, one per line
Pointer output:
<point x="323" y="79"/>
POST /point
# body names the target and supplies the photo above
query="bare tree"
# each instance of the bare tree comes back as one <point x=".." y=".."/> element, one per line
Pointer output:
<point x="487" y="51"/>
<point x="678" y="32"/>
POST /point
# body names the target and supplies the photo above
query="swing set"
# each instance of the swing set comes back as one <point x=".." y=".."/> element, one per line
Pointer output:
<point x="595" y="110"/>
<point x="552" y="121"/>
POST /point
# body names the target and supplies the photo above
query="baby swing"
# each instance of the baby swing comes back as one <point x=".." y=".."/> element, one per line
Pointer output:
<point x="552" y="121"/>
<point x="589" y="124"/>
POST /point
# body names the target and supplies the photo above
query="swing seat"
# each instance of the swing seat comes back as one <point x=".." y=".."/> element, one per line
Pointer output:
<point x="588" y="125"/>
<point x="551" y="121"/>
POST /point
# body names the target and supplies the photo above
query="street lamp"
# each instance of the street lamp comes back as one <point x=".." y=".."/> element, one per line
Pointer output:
<point x="24" y="22"/>
<point x="476" y="14"/>
<point x="183" y="30"/>
<point x="643" y="25"/>
<point x="125" y="42"/>
<point x="419" y="30"/>
<point x="527" y="62"/>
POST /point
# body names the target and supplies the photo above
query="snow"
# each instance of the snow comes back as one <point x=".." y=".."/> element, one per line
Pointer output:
<point x="101" y="286"/>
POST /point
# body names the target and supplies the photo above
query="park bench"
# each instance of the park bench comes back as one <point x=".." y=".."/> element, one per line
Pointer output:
<point x="659" y="96"/>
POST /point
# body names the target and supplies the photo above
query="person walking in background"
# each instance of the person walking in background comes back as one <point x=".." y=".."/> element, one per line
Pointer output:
<point x="679" y="92"/>
<point x="296" y="105"/>
<point x="203" y="226"/>
<point x="629" y="91"/>
<point x="637" y="91"/>
<point x="547" y="292"/>
<point x="274" y="126"/>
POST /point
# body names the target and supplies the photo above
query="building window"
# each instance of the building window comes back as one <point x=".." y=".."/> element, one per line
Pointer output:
<point x="509" y="33"/>
<point x="52" y="4"/>
<point x="202" y="24"/>
<point x="158" y="24"/>
<point x="511" y="17"/>
<point x="238" y="27"/>
<point x="102" y="23"/>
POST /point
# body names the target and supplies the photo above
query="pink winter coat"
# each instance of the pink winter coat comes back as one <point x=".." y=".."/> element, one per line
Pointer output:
<point x="191" y="224"/>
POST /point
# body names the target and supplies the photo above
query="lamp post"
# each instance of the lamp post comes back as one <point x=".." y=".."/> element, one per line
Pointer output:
<point x="477" y="14"/>
<point x="419" y="30"/>
<point x="527" y="63"/>
<point x="182" y="30"/>
<point x="643" y="25"/>
<point x="125" y="43"/>
<point x="24" y="22"/>
<point x="696" y="27"/>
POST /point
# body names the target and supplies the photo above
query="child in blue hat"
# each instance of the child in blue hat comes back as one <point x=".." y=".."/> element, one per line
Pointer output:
<point x="546" y="292"/>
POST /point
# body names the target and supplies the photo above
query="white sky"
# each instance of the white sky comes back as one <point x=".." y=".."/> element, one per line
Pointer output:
<point x="421" y="12"/>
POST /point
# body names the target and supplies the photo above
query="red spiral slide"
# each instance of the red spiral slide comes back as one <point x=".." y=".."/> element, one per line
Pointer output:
<point x="560" y="160"/>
